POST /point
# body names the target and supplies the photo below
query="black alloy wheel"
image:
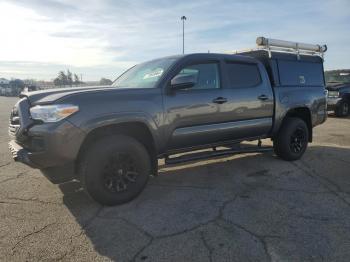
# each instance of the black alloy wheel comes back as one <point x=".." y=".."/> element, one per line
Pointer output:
<point x="119" y="173"/>
<point x="297" y="140"/>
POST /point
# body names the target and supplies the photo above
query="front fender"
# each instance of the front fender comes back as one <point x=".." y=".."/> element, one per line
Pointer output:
<point x="120" y="118"/>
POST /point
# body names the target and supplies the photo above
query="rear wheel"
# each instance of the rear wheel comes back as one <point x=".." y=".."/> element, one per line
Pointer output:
<point x="343" y="109"/>
<point x="115" y="169"/>
<point x="292" y="139"/>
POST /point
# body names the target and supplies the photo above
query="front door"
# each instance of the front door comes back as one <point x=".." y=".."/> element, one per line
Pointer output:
<point x="192" y="114"/>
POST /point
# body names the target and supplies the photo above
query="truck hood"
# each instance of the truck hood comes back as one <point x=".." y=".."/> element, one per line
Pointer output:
<point x="51" y="95"/>
<point x="335" y="86"/>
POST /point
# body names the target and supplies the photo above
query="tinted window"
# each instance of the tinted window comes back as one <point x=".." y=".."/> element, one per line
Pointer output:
<point x="300" y="73"/>
<point x="206" y="75"/>
<point x="243" y="75"/>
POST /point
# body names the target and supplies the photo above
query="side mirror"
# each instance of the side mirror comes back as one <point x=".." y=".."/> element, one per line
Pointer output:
<point x="183" y="82"/>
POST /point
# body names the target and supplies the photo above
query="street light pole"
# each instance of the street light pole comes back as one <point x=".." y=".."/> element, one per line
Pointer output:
<point x="183" y="18"/>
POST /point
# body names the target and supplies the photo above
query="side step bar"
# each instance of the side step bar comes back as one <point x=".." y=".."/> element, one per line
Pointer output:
<point x="215" y="153"/>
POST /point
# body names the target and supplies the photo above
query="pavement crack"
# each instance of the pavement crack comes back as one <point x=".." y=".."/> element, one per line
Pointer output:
<point x="83" y="228"/>
<point x="187" y="230"/>
<point x="13" y="178"/>
<point x="88" y="223"/>
<point x="260" y="238"/>
<point x="31" y="234"/>
<point x="6" y="164"/>
<point x="141" y="250"/>
<point x="224" y="205"/>
<point x="322" y="219"/>
<point x="9" y="203"/>
<point x="277" y="189"/>
<point x="35" y="200"/>
<point x="327" y="183"/>
<point x="68" y="252"/>
<point x="137" y="227"/>
<point x="341" y="160"/>
<point x="219" y="216"/>
<point x="207" y="246"/>
<point x="153" y="238"/>
<point x="181" y="186"/>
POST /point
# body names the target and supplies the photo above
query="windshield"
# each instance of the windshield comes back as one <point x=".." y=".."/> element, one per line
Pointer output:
<point x="145" y="75"/>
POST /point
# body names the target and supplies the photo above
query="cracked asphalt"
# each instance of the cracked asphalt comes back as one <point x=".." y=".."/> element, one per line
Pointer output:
<point x="250" y="207"/>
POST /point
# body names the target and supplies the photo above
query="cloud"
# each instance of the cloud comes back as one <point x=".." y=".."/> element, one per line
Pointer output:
<point x="102" y="36"/>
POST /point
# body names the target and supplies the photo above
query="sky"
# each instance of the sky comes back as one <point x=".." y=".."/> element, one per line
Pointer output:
<point x="102" y="38"/>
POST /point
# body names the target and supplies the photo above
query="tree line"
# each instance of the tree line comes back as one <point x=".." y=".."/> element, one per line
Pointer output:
<point x="67" y="79"/>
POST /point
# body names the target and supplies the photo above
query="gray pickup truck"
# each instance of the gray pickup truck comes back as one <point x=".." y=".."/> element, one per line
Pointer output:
<point x="113" y="136"/>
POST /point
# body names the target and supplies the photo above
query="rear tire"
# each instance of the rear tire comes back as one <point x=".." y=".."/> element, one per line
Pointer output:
<point x="115" y="169"/>
<point x="343" y="109"/>
<point x="292" y="139"/>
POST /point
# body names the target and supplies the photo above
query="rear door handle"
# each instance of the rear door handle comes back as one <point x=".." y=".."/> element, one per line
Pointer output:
<point x="220" y="100"/>
<point x="263" y="97"/>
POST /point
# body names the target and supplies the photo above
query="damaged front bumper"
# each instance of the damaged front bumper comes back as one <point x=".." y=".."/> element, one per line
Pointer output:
<point x="19" y="154"/>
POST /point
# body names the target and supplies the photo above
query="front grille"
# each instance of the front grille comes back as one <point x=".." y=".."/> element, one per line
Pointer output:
<point x="14" y="117"/>
<point x="20" y="120"/>
<point x="14" y="124"/>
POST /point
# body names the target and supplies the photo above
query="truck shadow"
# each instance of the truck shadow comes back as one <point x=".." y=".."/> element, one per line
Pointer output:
<point x="188" y="197"/>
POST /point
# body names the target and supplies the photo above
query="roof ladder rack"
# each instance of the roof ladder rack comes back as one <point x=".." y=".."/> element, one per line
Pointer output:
<point x="274" y="45"/>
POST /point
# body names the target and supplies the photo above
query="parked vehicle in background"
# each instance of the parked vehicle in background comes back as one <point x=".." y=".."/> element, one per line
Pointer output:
<point x="3" y="84"/>
<point x="30" y="88"/>
<point x="113" y="136"/>
<point x="338" y="86"/>
<point x="10" y="92"/>
<point x="11" y="87"/>
<point x="2" y="91"/>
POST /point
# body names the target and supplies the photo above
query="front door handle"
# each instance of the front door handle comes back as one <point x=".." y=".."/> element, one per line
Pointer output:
<point x="220" y="100"/>
<point x="263" y="97"/>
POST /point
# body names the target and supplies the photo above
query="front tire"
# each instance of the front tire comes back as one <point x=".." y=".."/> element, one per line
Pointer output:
<point x="343" y="109"/>
<point x="292" y="139"/>
<point x="115" y="169"/>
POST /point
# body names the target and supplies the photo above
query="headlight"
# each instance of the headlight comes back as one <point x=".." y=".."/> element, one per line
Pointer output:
<point x="52" y="113"/>
<point x="333" y="94"/>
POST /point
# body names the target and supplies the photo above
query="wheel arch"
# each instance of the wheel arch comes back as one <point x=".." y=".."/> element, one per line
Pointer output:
<point x="303" y="113"/>
<point x="136" y="129"/>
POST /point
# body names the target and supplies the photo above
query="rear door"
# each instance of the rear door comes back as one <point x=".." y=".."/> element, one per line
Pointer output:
<point x="250" y="101"/>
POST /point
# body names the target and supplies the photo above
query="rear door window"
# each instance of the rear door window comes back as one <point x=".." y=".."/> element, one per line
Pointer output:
<point x="243" y="75"/>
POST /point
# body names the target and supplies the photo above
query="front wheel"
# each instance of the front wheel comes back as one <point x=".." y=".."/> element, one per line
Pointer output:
<point x="115" y="169"/>
<point x="292" y="139"/>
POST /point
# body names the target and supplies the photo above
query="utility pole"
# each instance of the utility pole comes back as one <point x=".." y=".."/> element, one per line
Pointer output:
<point x="183" y="18"/>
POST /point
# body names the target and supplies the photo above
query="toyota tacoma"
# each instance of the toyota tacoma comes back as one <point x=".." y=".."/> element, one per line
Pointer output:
<point x="113" y="136"/>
